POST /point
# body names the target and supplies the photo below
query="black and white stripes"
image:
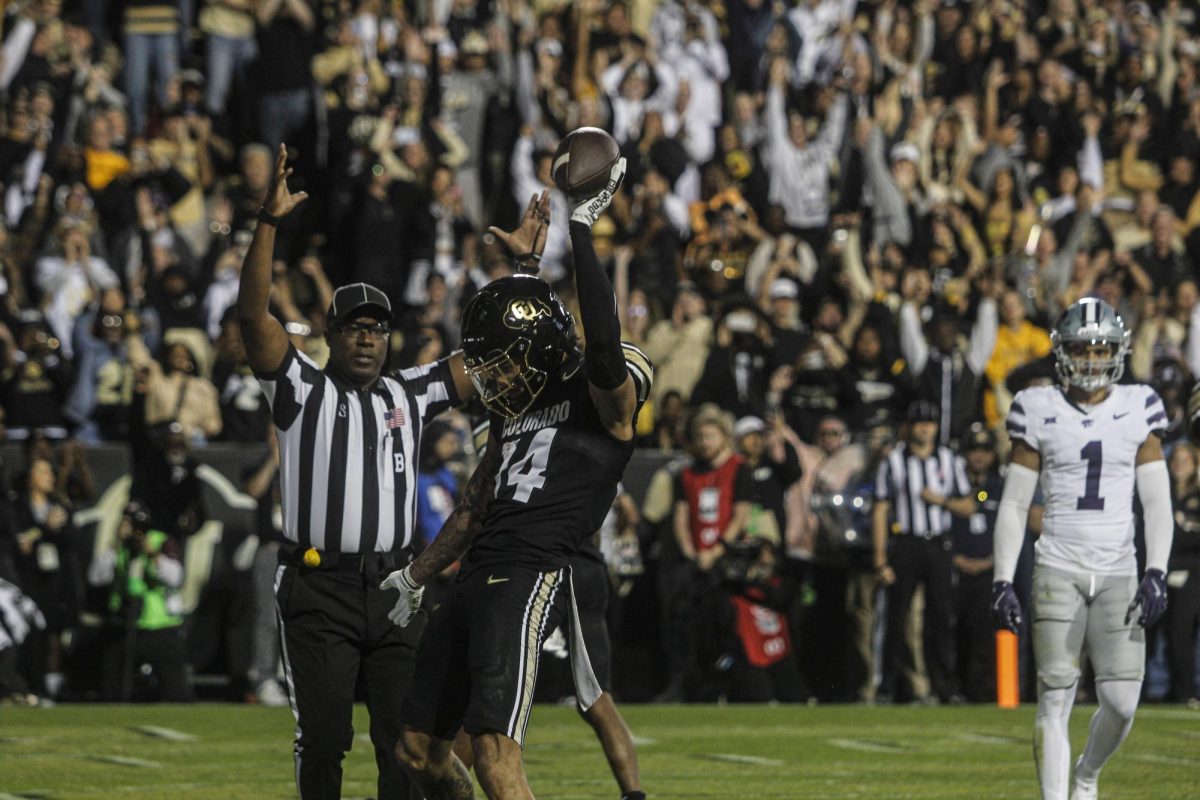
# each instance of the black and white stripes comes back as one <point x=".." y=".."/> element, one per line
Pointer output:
<point x="903" y="476"/>
<point x="348" y="456"/>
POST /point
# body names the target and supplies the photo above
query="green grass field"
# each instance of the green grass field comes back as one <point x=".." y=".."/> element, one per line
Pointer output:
<point x="242" y="752"/>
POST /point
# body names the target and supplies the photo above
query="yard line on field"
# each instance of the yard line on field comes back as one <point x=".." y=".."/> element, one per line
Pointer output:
<point x="124" y="761"/>
<point x="24" y="796"/>
<point x="169" y="734"/>
<point x="644" y="741"/>
<point x="987" y="738"/>
<point x="1168" y="713"/>
<point x="1154" y="758"/>
<point x="868" y="747"/>
<point x="735" y="758"/>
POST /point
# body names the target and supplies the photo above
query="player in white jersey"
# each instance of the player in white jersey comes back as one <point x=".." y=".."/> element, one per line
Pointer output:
<point x="1092" y="441"/>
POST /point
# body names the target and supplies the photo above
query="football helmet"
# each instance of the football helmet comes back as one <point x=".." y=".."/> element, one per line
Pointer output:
<point x="516" y="336"/>
<point x="1089" y="322"/>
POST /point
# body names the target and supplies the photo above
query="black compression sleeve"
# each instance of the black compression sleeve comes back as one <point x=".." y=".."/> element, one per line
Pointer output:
<point x="603" y="360"/>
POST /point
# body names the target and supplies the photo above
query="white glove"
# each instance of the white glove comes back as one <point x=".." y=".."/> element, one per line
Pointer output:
<point x="588" y="209"/>
<point x="409" y="602"/>
<point x="556" y="644"/>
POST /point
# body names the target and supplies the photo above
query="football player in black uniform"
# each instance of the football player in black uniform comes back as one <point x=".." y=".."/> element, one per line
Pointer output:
<point x="561" y="433"/>
<point x="590" y="587"/>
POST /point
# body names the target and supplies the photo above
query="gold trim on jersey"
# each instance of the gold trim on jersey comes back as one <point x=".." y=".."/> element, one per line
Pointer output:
<point x="641" y="367"/>
<point x="535" y="620"/>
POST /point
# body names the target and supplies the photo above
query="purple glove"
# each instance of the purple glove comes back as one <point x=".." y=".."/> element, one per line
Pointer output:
<point x="1006" y="608"/>
<point x="1152" y="597"/>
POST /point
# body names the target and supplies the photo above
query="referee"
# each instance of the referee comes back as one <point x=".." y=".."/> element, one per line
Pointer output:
<point x="918" y="486"/>
<point x="348" y="440"/>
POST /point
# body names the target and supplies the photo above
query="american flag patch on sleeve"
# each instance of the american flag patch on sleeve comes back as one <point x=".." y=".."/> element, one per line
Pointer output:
<point x="394" y="418"/>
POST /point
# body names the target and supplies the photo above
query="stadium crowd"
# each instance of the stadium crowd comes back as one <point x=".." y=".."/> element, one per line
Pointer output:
<point x="840" y="220"/>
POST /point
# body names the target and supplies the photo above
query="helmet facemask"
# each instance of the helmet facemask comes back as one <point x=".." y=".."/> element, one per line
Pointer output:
<point x="1090" y="343"/>
<point x="506" y="383"/>
<point x="1079" y="369"/>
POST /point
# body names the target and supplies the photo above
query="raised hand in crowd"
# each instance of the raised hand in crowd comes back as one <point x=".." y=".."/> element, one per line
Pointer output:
<point x="527" y="242"/>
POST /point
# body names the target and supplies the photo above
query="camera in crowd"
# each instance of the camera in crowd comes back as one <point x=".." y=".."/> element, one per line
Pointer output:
<point x="135" y="524"/>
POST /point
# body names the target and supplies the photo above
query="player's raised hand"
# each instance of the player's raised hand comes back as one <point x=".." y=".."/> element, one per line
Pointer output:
<point x="409" y="601"/>
<point x="1152" y="597"/>
<point x="588" y="209"/>
<point x="527" y="242"/>
<point x="280" y="201"/>
<point x="1006" y="608"/>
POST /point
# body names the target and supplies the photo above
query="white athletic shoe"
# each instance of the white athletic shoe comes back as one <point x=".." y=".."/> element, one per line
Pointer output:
<point x="1081" y="790"/>
<point x="269" y="694"/>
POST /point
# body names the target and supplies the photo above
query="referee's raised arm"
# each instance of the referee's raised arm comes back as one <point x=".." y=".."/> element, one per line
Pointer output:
<point x="264" y="338"/>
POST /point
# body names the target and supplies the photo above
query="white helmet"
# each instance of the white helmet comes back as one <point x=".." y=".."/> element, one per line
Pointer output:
<point x="1089" y="322"/>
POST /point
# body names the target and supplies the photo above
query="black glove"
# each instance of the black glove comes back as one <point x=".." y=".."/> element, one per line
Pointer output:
<point x="1152" y="597"/>
<point x="1006" y="608"/>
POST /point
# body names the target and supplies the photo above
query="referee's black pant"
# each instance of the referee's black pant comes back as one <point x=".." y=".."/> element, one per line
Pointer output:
<point x="334" y="632"/>
<point x="928" y="562"/>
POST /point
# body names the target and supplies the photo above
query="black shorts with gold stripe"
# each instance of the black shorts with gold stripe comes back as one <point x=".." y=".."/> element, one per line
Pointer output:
<point x="478" y="659"/>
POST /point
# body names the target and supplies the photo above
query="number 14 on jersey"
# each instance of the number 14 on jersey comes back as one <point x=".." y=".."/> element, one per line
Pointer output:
<point x="525" y="474"/>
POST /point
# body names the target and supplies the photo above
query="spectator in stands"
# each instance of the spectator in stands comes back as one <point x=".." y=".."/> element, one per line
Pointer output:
<point x="230" y="50"/>
<point x="165" y="480"/>
<point x="668" y="431"/>
<point x="800" y="168"/>
<point x="34" y="381"/>
<point x="151" y="29"/>
<point x="774" y="468"/>
<point x="185" y="143"/>
<point x="678" y="346"/>
<point x="1184" y="599"/>
<point x="735" y="376"/>
<point x="143" y="573"/>
<point x="284" y="79"/>
<point x="262" y="483"/>
<point x="947" y="373"/>
<point x="437" y="483"/>
<point x="176" y="392"/>
<point x="70" y="280"/>
<point x="101" y="399"/>
<point x="1018" y="341"/>
<point x="244" y="410"/>
<point x="46" y="556"/>
<point x="781" y="302"/>
<point x="842" y="573"/>
<point x="875" y="382"/>
<point x="1162" y="263"/>
<point x="1162" y="329"/>
<point x="712" y="506"/>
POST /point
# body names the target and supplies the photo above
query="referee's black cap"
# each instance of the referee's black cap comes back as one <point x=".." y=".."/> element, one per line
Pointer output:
<point x="353" y="299"/>
<point x="978" y="437"/>
<point x="922" y="411"/>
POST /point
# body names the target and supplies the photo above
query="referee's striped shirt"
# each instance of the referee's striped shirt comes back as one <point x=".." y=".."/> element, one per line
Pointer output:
<point x="348" y="456"/>
<point x="903" y="476"/>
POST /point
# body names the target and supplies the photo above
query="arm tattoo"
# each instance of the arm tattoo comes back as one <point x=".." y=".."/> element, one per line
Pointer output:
<point x="464" y="522"/>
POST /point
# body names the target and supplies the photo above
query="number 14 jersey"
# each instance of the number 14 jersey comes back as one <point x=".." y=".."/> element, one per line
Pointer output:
<point x="1088" y="472"/>
<point x="558" y="474"/>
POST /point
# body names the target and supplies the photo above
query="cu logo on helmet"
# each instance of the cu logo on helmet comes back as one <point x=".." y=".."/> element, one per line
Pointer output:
<point x="527" y="310"/>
